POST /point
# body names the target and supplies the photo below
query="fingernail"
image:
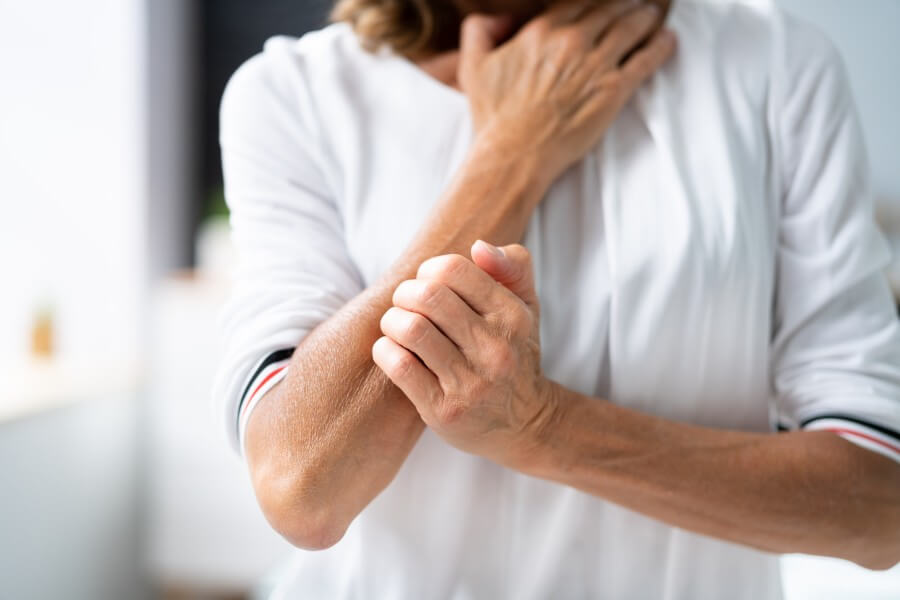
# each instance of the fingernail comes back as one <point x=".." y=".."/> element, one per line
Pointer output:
<point x="492" y="248"/>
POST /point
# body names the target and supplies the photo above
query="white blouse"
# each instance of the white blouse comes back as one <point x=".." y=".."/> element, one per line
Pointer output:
<point x="714" y="261"/>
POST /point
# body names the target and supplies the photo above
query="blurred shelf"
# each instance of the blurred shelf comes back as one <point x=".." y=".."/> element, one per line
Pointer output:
<point x="34" y="386"/>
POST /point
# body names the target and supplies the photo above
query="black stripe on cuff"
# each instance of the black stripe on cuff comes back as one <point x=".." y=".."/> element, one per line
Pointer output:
<point x="879" y="428"/>
<point x="277" y="356"/>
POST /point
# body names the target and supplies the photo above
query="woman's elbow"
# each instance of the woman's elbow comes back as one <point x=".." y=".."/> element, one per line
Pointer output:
<point x="310" y="532"/>
<point x="877" y="548"/>
<point x="878" y="559"/>
<point x="291" y="507"/>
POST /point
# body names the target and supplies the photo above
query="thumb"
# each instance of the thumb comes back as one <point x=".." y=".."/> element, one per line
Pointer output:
<point x="510" y="266"/>
<point x="480" y="33"/>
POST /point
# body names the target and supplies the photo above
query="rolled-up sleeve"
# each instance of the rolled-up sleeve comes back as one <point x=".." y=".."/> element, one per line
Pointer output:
<point x="294" y="270"/>
<point x="836" y="338"/>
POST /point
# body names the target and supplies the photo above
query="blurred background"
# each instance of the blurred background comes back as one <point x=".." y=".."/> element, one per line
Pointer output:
<point x="114" y="258"/>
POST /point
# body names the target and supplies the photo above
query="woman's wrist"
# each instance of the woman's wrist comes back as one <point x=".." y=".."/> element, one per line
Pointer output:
<point x="535" y="451"/>
<point x="491" y="150"/>
<point x="492" y="197"/>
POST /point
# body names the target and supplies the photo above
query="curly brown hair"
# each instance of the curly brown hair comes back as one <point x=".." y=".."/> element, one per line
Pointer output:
<point x="410" y="27"/>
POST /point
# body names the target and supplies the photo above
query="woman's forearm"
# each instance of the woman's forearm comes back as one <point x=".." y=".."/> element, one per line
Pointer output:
<point x="810" y="492"/>
<point x="475" y="379"/>
<point x="335" y="431"/>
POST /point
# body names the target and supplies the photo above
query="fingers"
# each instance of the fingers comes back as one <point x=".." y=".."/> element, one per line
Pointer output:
<point x="626" y="34"/>
<point x="444" y="308"/>
<point x="649" y="59"/>
<point x="405" y="371"/>
<point x="568" y="11"/>
<point x="596" y="22"/>
<point x="419" y="335"/>
<point x="479" y="35"/>
<point x="510" y="266"/>
<point x="469" y="282"/>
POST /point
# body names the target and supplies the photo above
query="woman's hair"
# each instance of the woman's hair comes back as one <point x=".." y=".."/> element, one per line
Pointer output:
<point x="408" y="27"/>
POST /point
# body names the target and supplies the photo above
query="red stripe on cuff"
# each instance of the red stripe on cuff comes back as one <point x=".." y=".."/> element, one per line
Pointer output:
<point x="874" y="440"/>
<point x="261" y="383"/>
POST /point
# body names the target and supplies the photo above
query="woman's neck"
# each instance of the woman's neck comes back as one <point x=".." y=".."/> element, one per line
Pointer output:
<point x="442" y="66"/>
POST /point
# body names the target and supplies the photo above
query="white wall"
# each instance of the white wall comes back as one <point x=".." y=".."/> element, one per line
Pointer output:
<point x="72" y="182"/>
<point x="72" y="232"/>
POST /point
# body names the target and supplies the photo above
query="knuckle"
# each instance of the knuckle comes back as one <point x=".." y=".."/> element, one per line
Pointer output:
<point x="416" y="329"/>
<point x="402" y="365"/>
<point x="450" y="411"/>
<point x="537" y="29"/>
<point x="571" y="40"/>
<point x="614" y="82"/>
<point x="515" y="321"/>
<point x="428" y="293"/>
<point x="404" y="290"/>
<point x="442" y="268"/>
<point x="521" y="254"/>
<point x="492" y="328"/>
<point x="621" y="35"/>
<point x="521" y="319"/>
<point x="631" y="27"/>
<point x="640" y="62"/>
<point x="454" y="263"/>
<point x="643" y="21"/>
<point x="386" y="321"/>
<point x="500" y="360"/>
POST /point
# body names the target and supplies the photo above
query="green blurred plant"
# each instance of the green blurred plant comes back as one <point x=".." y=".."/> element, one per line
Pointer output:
<point x="215" y="203"/>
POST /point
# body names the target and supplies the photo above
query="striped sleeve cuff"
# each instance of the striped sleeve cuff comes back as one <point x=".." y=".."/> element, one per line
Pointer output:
<point x="869" y="435"/>
<point x="270" y="370"/>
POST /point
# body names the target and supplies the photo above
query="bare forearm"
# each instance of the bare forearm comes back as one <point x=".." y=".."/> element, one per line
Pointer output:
<point x="809" y="492"/>
<point x="335" y="431"/>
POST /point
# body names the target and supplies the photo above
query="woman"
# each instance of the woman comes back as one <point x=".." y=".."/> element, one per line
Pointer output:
<point x="590" y="413"/>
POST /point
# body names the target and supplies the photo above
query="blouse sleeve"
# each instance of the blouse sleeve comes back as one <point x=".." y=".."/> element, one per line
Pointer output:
<point x="836" y="338"/>
<point x="293" y="268"/>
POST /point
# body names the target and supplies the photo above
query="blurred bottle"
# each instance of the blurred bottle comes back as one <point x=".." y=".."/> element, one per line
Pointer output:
<point x="42" y="332"/>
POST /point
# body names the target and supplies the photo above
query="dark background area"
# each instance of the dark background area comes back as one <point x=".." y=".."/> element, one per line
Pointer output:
<point x="230" y="32"/>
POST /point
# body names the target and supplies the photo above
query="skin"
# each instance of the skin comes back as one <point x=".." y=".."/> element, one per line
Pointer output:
<point x="477" y="382"/>
<point x="451" y="343"/>
<point x="333" y="433"/>
<point x="444" y="66"/>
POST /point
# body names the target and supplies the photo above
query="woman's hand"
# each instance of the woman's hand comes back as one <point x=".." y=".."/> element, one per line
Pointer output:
<point x="555" y="87"/>
<point x="477" y="380"/>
